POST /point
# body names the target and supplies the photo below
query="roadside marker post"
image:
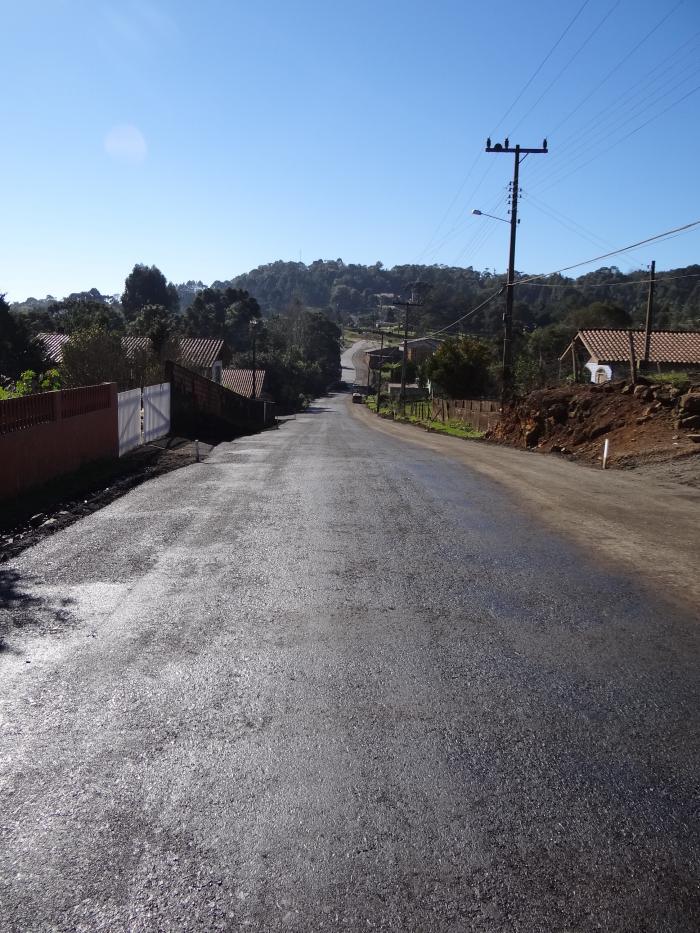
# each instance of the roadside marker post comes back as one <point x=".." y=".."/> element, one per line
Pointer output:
<point x="605" y="452"/>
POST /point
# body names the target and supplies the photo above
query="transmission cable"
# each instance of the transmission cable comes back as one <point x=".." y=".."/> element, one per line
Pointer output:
<point x="568" y="63"/>
<point x="502" y="120"/>
<point x="615" y="252"/>
<point x="622" y="139"/>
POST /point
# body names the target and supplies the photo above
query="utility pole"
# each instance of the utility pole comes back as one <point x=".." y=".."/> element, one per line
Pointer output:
<point x="650" y="316"/>
<point x="379" y="380"/>
<point x="254" y="329"/>
<point x="415" y="287"/>
<point x="507" y="366"/>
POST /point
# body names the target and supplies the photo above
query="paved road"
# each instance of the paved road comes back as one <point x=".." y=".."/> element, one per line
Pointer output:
<point x="332" y="679"/>
<point x="353" y="362"/>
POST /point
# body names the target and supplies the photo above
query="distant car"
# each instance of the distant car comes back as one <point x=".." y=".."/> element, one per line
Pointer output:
<point x="357" y="398"/>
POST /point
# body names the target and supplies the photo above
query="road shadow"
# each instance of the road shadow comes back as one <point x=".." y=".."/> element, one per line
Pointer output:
<point x="21" y="609"/>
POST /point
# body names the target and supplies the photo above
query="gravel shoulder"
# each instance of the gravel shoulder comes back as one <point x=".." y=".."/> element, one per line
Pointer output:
<point x="647" y="525"/>
<point x="40" y="513"/>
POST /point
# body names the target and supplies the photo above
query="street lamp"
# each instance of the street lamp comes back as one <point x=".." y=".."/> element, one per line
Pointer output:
<point x="484" y="214"/>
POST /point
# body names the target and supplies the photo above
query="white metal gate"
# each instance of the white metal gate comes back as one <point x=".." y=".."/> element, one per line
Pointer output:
<point x="156" y="412"/>
<point x="143" y="417"/>
<point x="129" y="419"/>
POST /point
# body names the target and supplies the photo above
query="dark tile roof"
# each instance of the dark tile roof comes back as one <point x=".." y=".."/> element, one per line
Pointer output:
<point x="200" y="351"/>
<point x="430" y="342"/>
<point x="612" y="346"/>
<point x="241" y="381"/>
<point x="132" y="345"/>
<point x="52" y="345"/>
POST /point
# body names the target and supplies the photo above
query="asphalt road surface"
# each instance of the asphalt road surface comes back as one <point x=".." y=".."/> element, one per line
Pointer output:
<point x="333" y="679"/>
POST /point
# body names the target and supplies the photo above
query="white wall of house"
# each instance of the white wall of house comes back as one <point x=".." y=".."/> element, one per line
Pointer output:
<point x="599" y="372"/>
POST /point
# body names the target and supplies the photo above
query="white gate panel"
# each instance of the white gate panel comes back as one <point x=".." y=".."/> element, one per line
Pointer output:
<point x="156" y="412"/>
<point x="129" y="417"/>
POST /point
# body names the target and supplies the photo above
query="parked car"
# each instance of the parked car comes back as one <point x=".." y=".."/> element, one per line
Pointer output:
<point x="357" y="398"/>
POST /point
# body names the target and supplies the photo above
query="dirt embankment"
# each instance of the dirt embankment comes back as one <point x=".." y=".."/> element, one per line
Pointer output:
<point x="643" y="423"/>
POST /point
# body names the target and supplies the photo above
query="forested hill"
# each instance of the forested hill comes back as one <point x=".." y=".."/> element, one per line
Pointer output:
<point x="350" y="291"/>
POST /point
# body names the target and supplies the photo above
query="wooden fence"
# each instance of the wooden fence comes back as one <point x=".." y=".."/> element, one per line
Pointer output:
<point x="202" y="406"/>
<point x="481" y="414"/>
<point x="46" y="435"/>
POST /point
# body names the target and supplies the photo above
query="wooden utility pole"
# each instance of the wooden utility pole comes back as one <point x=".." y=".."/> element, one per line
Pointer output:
<point x="650" y="316"/>
<point x="633" y="357"/>
<point x="417" y="288"/>
<point x="379" y="380"/>
<point x="507" y="365"/>
<point x="254" y="330"/>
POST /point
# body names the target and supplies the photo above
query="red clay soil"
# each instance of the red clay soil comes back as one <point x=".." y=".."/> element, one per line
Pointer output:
<point x="640" y="422"/>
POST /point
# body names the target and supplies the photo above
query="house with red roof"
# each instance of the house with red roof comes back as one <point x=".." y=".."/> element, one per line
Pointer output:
<point x="609" y="352"/>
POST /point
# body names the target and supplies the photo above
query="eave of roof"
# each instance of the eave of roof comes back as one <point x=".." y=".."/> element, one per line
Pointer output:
<point x="612" y="346"/>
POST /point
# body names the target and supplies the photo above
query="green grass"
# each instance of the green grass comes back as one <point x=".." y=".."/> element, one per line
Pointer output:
<point x="678" y="380"/>
<point x="453" y="428"/>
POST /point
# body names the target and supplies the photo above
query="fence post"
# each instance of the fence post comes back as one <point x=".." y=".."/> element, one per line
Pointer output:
<point x="57" y="408"/>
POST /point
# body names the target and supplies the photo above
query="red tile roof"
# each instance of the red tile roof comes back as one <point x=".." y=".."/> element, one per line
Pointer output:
<point x="612" y="346"/>
<point x="241" y="381"/>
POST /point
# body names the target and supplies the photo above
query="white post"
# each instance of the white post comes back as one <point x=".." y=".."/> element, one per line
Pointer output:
<point x="605" y="452"/>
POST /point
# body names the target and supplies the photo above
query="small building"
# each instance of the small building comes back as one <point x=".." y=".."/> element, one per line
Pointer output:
<point x="421" y="349"/>
<point x="205" y="355"/>
<point x="376" y="357"/>
<point x="414" y="393"/>
<point x="607" y="352"/>
<point x="241" y="381"/>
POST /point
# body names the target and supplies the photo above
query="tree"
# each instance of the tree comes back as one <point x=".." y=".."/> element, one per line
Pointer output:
<point x="146" y="285"/>
<point x="460" y="367"/>
<point x="225" y="313"/>
<point x="600" y="314"/>
<point x="17" y="352"/>
<point x="92" y="356"/>
<point x="81" y="312"/>
<point x="156" y="323"/>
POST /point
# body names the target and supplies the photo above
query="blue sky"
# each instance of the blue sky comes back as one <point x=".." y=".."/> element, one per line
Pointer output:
<point x="211" y="137"/>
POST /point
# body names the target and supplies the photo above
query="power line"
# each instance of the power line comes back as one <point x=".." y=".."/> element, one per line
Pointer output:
<point x="623" y="102"/>
<point x="568" y="63"/>
<point x="657" y="281"/>
<point x="656" y="116"/>
<point x="469" y="313"/>
<point x="493" y="133"/>
<point x="618" y="66"/>
<point x="568" y="222"/>
<point x="543" y="63"/>
<point x="615" y="252"/>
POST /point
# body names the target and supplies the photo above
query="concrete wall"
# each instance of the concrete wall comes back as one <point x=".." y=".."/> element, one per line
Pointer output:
<point x="54" y="433"/>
